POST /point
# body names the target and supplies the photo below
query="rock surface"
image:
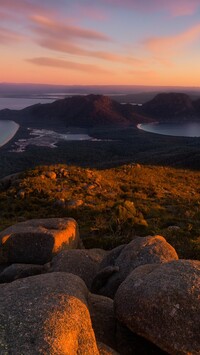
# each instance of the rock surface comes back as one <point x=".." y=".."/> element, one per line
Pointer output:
<point x="103" y="319"/>
<point x="129" y="343"/>
<point x="162" y="304"/>
<point x="36" y="241"/>
<point x="19" y="271"/>
<point x="106" y="350"/>
<point x="46" y="314"/>
<point x="118" y="264"/>
<point x="83" y="263"/>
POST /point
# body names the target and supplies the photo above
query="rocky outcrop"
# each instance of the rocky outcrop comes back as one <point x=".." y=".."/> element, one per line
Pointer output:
<point x="156" y="296"/>
<point x="161" y="303"/>
<point x="118" y="264"/>
<point x="83" y="263"/>
<point x="47" y="314"/>
<point x="36" y="241"/>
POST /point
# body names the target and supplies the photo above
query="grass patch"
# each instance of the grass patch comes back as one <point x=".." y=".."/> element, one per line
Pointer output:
<point x="113" y="205"/>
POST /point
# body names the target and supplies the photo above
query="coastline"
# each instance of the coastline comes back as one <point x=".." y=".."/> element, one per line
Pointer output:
<point x="17" y="126"/>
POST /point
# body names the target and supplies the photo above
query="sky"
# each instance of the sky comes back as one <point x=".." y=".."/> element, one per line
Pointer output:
<point x="100" y="42"/>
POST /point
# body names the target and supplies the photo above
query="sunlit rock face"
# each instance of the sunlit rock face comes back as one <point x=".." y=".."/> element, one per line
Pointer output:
<point x="36" y="241"/>
<point x="161" y="303"/>
<point x="119" y="263"/>
<point x="46" y="314"/>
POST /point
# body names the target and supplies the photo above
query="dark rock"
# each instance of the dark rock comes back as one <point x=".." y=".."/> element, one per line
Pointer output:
<point x="124" y="259"/>
<point x="18" y="271"/>
<point x="129" y="343"/>
<point x="36" y="241"/>
<point x="103" y="319"/>
<point x="105" y="349"/>
<point x="103" y="277"/>
<point x="161" y="303"/>
<point x="83" y="263"/>
<point x="111" y="257"/>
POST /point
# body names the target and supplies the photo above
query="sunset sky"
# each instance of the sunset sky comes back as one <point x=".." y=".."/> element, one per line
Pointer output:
<point x="130" y="42"/>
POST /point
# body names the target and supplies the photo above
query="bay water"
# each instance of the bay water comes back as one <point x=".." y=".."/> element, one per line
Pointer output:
<point x="7" y="131"/>
<point x="185" y="129"/>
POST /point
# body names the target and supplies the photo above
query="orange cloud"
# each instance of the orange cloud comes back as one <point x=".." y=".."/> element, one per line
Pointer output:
<point x="44" y="25"/>
<point x="70" y="48"/>
<point x="64" y="64"/>
<point x="8" y="36"/>
<point x="169" y="45"/>
<point x="65" y="38"/>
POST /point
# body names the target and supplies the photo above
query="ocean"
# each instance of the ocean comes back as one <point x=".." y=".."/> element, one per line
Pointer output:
<point x="9" y="128"/>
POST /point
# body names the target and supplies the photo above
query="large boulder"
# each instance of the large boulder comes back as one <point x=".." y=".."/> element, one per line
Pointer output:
<point x="103" y="319"/>
<point x="19" y="271"/>
<point x="36" y="241"/>
<point x="161" y="303"/>
<point x="46" y="314"/>
<point x="83" y="263"/>
<point x="129" y="343"/>
<point x="119" y="263"/>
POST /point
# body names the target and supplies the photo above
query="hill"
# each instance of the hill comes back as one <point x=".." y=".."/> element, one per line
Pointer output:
<point x="171" y="106"/>
<point x="111" y="206"/>
<point x="101" y="111"/>
<point x="77" y="111"/>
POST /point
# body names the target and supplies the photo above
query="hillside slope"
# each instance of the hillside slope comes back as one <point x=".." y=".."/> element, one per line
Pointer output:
<point x="172" y="106"/>
<point x="78" y="111"/>
<point x="111" y="206"/>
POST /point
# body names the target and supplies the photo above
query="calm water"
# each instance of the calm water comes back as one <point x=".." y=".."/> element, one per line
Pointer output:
<point x="191" y="129"/>
<point x="7" y="131"/>
<point x="20" y="103"/>
<point x="9" y="128"/>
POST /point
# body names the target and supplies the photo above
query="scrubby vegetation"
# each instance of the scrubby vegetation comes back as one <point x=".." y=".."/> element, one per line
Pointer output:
<point x="111" y="206"/>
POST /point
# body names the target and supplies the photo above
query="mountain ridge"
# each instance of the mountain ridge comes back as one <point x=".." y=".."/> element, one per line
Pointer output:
<point x="92" y="110"/>
<point x="172" y="105"/>
<point x="80" y="111"/>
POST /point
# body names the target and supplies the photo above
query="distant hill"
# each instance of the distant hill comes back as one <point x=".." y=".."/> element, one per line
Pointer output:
<point x="101" y="111"/>
<point x="168" y="106"/>
<point x="77" y="111"/>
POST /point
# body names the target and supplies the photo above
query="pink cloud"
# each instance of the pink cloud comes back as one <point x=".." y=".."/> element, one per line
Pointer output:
<point x="170" y="44"/>
<point x="5" y="16"/>
<point x="8" y="36"/>
<point x="65" y="64"/>
<point x="70" y="48"/>
<point x="59" y="30"/>
<point x="65" y="38"/>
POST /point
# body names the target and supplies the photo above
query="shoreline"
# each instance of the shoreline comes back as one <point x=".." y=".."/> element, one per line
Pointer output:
<point x="11" y="135"/>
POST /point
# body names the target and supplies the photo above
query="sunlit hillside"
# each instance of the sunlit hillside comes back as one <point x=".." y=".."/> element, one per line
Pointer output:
<point x="111" y="206"/>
